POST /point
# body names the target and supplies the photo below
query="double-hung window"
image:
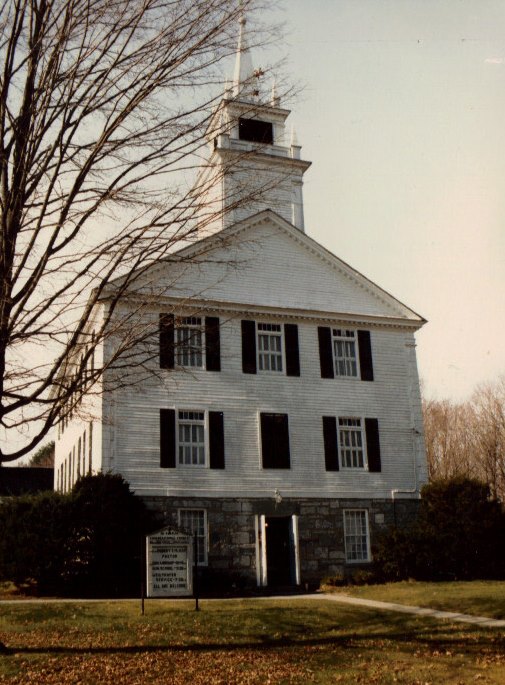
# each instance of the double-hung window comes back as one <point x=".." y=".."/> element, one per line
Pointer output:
<point x="193" y="521"/>
<point x="351" y="443"/>
<point x="345" y="352"/>
<point x="356" y="535"/>
<point x="191" y="438"/>
<point x="189" y="343"/>
<point x="269" y="347"/>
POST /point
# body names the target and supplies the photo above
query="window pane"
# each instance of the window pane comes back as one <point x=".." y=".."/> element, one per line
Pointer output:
<point x="356" y="535"/>
<point x="351" y="443"/>
<point x="191" y="434"/>
<point x="344" y="352"/>
<point x="192" y="521"/>
<point x="189" y="342"/>
<point x="269" y="347"/>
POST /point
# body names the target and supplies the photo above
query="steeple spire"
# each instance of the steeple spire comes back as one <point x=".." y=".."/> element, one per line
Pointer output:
<point x="270" y="174"/>
<point x="275" y="99"/>
<point x="244" y="77"/>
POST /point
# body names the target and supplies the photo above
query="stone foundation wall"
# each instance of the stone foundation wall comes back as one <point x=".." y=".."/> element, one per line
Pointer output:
<point x="232" y="536"/>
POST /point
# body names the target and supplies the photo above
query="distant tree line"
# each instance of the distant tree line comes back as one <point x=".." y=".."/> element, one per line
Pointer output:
<point x="467" y="439"/>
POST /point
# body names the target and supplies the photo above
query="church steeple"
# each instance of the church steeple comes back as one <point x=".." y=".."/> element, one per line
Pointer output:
<point x="243" y="77"/>
<point x="251" y="156"/>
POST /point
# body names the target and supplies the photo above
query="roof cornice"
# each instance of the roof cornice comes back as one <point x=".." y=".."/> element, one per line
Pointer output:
<point x="256" y="108"/>
<point x="260" y="155"/>
<point x="242" y="309"/>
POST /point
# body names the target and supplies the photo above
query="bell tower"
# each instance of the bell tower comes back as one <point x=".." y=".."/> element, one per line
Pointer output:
<point x="254" y="163"/>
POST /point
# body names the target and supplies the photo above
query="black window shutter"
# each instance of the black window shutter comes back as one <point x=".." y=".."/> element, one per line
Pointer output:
<point x="292" y="349"/>
<point x="282" y="441"/>
<point x="330" y="443"/>
<point x="216" y="439"/>
<point x="248" y="346"/>
<point x="267" y="451"/>
<point x="167" y="438"/>
<point x="212" y="344"/>
<point x="166" y="341"/>
<point x="275" y="441"/>
<point x="325" y="352"/>
<point x="373" y="445"/>
<point x="365" y="355"/>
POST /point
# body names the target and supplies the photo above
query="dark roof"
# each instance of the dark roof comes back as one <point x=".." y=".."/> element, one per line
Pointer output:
<point x="21" y="480"/>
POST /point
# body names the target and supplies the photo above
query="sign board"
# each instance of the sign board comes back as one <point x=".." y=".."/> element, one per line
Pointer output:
<point x="169" y="557"/>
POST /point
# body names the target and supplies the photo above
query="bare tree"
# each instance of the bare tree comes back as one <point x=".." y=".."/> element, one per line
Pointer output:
<point x="449" y="439"/>
<point x="489" y="403"/>
<point x="103" y="110"/>
<point x="468" y="438"/>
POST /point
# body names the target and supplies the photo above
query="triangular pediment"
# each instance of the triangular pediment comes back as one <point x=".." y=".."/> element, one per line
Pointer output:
<point x="266" y="262"/>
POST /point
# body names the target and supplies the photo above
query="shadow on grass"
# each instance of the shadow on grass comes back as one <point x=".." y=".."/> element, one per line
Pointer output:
<point x="445" y="638"/>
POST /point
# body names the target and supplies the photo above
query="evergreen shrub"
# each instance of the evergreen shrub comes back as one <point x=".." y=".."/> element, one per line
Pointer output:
<point x="458" y="535"/>
<point x="85" y="543"/>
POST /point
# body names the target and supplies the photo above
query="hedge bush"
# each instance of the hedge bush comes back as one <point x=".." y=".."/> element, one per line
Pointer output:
<point x="35" y="538"/>
<point x="458" y="535"/>
<point x="85" y="543"/>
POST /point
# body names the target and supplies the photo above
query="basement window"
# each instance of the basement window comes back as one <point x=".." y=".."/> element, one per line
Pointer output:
<point x="356" y="535"/>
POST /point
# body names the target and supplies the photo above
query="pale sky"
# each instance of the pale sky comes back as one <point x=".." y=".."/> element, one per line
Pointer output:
<point x="403" y="117"/>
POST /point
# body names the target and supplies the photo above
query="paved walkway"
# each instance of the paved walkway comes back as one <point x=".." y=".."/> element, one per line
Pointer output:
<point x="331" y="597"/>
<point x="390" y="606"/>
<point x="419" y="611"/>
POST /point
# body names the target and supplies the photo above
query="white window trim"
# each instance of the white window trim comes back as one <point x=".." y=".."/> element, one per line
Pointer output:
<point x="296" y="546"/>
<point x="342" y="466"/>
<point x="368" y="547"/>
<point x="357" y="377"/>
<point x="263" y="551"/>
<point x="179" y="323"/>
<point x="205" y="413"/>
<point x="283" y="348"/>
<point x="260" y="528"/>
<point x="205" y="528"/>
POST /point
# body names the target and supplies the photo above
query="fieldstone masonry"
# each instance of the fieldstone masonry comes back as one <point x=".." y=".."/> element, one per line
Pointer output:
<point x="232" y="536"/>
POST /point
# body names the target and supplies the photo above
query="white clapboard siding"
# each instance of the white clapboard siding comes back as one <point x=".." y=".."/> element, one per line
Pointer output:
<point x="272" y="267"/>
<point x="67" y="439"/>
<point x="133" y="434"/>
<point x="267" y="272"/>
<point x="272" y="188"/>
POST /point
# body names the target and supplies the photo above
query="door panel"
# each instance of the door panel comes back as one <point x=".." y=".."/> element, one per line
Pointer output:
<point x="279" y="550"/>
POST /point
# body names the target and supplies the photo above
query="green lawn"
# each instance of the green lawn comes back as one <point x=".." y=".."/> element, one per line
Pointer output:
<point x="252" y="642"/>
<point x="478" y="597"/>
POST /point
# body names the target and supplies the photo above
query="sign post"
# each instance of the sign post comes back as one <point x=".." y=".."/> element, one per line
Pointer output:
<point x="142" y="572"/>
<point x="169" y="562"/>
<point x="195" y="572"/>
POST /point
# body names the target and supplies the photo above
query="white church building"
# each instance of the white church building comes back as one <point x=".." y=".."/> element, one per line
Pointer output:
<point x="282" y="422"/>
